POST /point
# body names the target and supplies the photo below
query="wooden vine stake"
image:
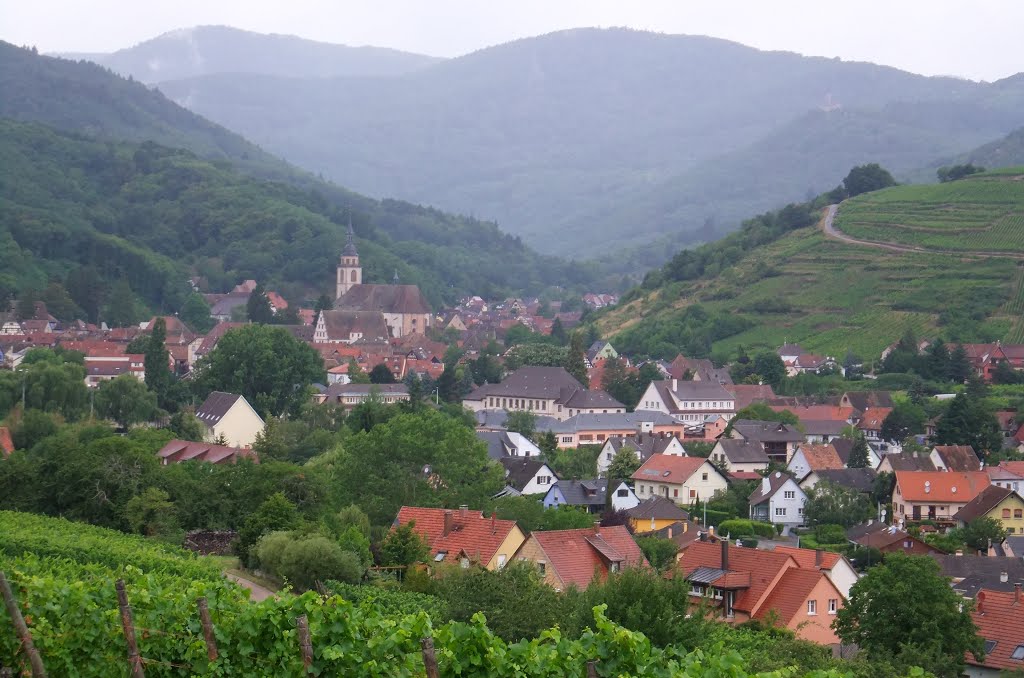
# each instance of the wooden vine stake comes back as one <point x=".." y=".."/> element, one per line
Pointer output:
<point x="592" y="669"/>
<point x="302" y="624"/>
<point x="211" y="640"/>
<point x="429" y="658"/>
<point x="134" y="660"/>
<point x="38" y="670"/>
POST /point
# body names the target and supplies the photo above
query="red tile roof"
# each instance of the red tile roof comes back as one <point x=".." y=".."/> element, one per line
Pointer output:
<point x="817" y="412"/>
<point x="790" y="594"/>
<point x="471" y="533"/>
<point x="806" y="558"/>
<point x="669" y="468"/>
<point x="1001" y="619"/>
<point x="576" y="556"/>
<point x="762" y="566"/>
<point x="821" y="457"/>
<point x="1014" y="467"/>
<point x="873" y="418"/>
<point x="177" y="451"/>
<point x="942" y="486"/>
<point x="6" y="442"/>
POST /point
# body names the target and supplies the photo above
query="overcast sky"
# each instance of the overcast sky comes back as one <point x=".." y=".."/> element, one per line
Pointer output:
<point x="978" y="39"/>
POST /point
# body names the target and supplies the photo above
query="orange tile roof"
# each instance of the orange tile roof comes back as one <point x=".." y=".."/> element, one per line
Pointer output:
<point x="948" y="486"/>
<point x="668" y="468"/>
<point x="790" y="594"/>
<point x="822" y="457"/>
<point x="1000" y="619"/>
<point x="6" y="442"/>
<point x="873" y="418"/>
<point x="577" y="555"/>
<point x="762" y="566"/>
<point x="817" y="412"/>
<point x="472" y="534"/>
<point x="1014" y="467"/>
<point x="806" y="558"/>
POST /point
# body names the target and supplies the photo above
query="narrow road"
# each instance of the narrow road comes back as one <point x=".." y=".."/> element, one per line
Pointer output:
<point x="830" y="231"/>
<point x="258" y="592"/>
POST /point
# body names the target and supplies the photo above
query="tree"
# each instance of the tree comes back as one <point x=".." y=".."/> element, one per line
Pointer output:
<point x="1005" y="374"/>
<point x="623" y="465"/>
<point x="574" y="361"/>
<point x="947" y="174"/>
<point x="122" y="308"/>
<point x="959" y="365"/>
<point x="523" y="422"/>
<point x="403" y="546"/>
<point x="770" y="367"/>
<point x="981" y="533"/>
<point x="831" y="504"/>
<point x="126" y="400"/>
<point x="258" y="308"/>
<point x="304" y="560"/>
<point x="186" y="426"/>
<point x="936" y="361"/>
<point x="195" y="313"/>
<point x="153" y="514"/>
<point x="558" y="333"/>
<point x="906" y="605"/>
<point x="905" y="419"/>
<point x="87" y="290"/>
<point x="969" y="422"/>
<point x="763" y="412"/>
<point x="323" y="303"/>
<point x="275" y="513"/>
<point x="617" y="383"/>
<point x="266" y="364"/>
<point x="860" y="454"/>
<point x="356" y="375"/>
<point x="157" y="361"/>
<point x="866" y="178"/>
<point x="660" y="553"/>
<point x="448" y="385"/>
<point x="381" y="374"/>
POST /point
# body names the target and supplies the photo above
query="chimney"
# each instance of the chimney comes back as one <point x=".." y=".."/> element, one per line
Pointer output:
<point x="494" y="522"/>
<point x="686" y="527"/>
<point x="463" y="512"/>
<point x="675" y="384"/>
<point x="1004" y="577"/>
<point x="711" y="530"/>
<point x="447" y="524"/>
<point x="981" y="602"/>
<point x="669" y="531"/>
<point x="819" y="555"/>
<point x="959" y="552"/>
<point x="725" y="554"/>
<point x="1016" y="593"/>
<point x="597" y="528"/>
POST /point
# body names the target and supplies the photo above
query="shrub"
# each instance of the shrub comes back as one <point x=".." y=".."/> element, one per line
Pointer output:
<point x="746" y="528"/>
<point x="830" y="534"/>
<point x="305" y="560"/>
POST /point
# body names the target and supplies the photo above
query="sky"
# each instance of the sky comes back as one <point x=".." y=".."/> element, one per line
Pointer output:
<point x="976" y="39"/>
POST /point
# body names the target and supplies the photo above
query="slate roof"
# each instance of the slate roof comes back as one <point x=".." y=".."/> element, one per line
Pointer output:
<point x="659" y="508"/>
<point x="616" y="421"/>
<point x="583" y="492"/>
<point x="474" y="534"/>
<point x="775" y="481"/>
<point x="530" y="382"/>
<point x="521" y="470"/>
<point x="177" y="451"/>
<point x="943" y="486"/>
<point x="341" y="324"/>
<point x="216" y="406"/>
<point x="384" y="298"/>
<point x="226" y="304"/>
<point x="766" y="431"/>
<point x="576" y="555"/>
<point x="646" y="445"/>
<point x="366" y="389"/>
<point x="907" y="462"/>
<point x="1000" y="620"/>
<point x="495" y="443"/>
<point x="863" y="400"/>
<point x="985" y="569"/>
<point x="743" y="451"/>
<point x="592" y="399"/>
<point x="958" y="457"/>
<point x="668" y="468"/>
<point x="860" y="479"/>
<point x="823" y="427"/>
<point x="692" y="390"/>
<point x="986" y="500"/>
<point x="843" y="448"/>
<point x="747" y="394"/>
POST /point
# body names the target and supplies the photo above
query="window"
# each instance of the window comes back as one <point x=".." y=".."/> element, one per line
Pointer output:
<point x="640" y="489"/>
<point x="812" y="607"/>
<point x="833" y="604"/>
<point x="675" y="493"/>
<point x="696" y="590"/>
<point x="799" y="510"/>
<point x="464" y="563"/>
<point x="693" y="494"/>
<point x="907" y="544"/>
<point x="542" y="567"/>
<point x="501" y="560"/>
<point x="1018" y="513"/>
<point x="543" y="480"/>
<point x="780" y="511"/>
<point x="624" y="492"/>
<point x="1006" y="513"/>
<point x="990" y="645"/>
<point x="789" y="494"/>
<point x="704" y="477"/>
<point x="615" y="567"/>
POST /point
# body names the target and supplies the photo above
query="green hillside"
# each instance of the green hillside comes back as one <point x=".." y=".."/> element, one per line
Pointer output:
<point x="73" y="209"/>
<point x="796" y="284"/>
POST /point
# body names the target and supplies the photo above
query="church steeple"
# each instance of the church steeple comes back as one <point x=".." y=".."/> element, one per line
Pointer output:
<point x="350" y="273"/>
<point x="394" y="280"/>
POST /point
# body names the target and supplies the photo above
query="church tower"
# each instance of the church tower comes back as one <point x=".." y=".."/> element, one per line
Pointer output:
<point x="350" y="273"/>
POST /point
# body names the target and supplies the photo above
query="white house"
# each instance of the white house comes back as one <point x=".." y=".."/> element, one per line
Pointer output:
<point x="778" y="499"/>
<point x="545" y="391"/>
<point x="527" y="475"/>
<point x="643" y="446"/>
<point x="681" y="479"/>
<point x="808" y="458"/>
<point x="740" y="456"/>
<point x="690" y="402"/>
<point x="231" y="416"/>
<point x="590" y="494"/>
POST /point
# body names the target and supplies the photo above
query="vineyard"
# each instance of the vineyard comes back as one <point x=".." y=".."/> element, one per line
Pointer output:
<point x="70" y="606"/>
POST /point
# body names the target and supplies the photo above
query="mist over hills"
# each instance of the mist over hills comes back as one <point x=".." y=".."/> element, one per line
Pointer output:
<point x="608" y="138"/>
<point x="203" y="50"/>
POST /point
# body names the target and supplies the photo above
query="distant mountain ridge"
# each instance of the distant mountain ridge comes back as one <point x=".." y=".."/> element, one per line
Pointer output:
<point x="607" y="138"/>
<point x="205" y="50"/>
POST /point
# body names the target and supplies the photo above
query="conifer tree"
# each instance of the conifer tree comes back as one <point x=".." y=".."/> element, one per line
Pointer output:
<point x="157" y="361"/>
<point x="859" y="454"/>
<point x="574" y="362"/>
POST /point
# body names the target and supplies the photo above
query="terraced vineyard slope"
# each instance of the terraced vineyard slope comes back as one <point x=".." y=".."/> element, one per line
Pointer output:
<point x="960" y="277"/>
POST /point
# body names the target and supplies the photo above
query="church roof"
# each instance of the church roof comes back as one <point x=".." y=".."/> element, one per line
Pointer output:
<point x="384" y="298"/>
<point x="350" y="242"/>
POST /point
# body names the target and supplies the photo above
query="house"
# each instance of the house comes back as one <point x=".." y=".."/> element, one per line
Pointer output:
<point x="862" y="401"/>
<point x="404" y="307"/>
<point x="809" y="363"/>
<point x="999" y="503"/>
<point x="348" y="327"/>
<point x="934" y="495"/>
<point x="590" y="429"/>
<point x="970" y="573"/>
<point x="889" y="539"/>
<point x="642" y="445"/>
<point x="528" y="476"/>
<point x="891" y="463"/>
<point x="961" y="458"/>
<point x="690" y="402"/>
<point x="589" y="494"/>
<point x="601" y="350"/>
<point x="1007" y="474"/>
<point x="177" y="451"/>
<point x="844" y="446"/>
<point x="463" y="536"/>
<point x="737" y="455"/>
<point x="655" y="513"/>
<point x="684" y="480"/>
<point x="547" y="391"/>
<point x="778" y="499"/>
<point x="870" y="424"/>
<point x="503" y="444"/>
<point x="860" y="479"/>
<point x="700" y="369"/>
<point x="748" y="394"/>
<point x="999" y="616"/>
<point x="682" y="533"/>
<point x="779" y="440"/>
<point x="808" y="458"/>
<point x="230" y="417"/>
<point x="350" y="395"/>
<point x="822" y="431"/>
<point x="741" y="584"/>
<point x="6" y="442"/>
<point x="790" y="352"/>
<point x="567" y="558"/>
<point x="836" y="567"/>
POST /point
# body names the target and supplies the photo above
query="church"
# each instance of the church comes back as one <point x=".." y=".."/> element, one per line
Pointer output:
<point x="404" y="307"/>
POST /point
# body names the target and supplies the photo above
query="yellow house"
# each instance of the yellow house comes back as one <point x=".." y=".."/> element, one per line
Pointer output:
<point x="999" y="503"/>
<point x="655" y="513"/>
<point x="464" y="537"/>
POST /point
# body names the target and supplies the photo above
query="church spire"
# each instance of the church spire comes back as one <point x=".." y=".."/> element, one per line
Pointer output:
<point x="350" y="241"/>
<point x="394" y="280"/>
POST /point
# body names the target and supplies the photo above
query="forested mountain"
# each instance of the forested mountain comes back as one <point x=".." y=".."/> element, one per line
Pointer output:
<point x="1003" y="152"/>
<point x="940" y="260"/>
<point x="607" y="138"/>
<point x="203" y="50"/>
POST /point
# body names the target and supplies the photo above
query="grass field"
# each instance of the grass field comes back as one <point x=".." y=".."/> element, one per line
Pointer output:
<point x="831" y="296"/>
